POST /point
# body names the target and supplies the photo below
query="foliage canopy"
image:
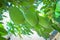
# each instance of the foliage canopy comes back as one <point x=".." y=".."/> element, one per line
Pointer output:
<point x="26" y="17"/>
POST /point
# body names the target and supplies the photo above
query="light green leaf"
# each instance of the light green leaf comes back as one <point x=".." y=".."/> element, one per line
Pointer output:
<point x="2" y="30"/>
<point x="16" y="15"/>
<point x="58" y="6"/>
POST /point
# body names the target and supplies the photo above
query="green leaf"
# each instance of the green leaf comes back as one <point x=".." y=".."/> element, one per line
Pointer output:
<point x="2" y="30"/>
<point x="57" y="14"/>
<point x="56" y="27"/>
<point x="44" y="21"/>
<point x="44" y="24"/>
<point x="57" y="17"/>
<point x="16" y="15"/>
<point x="1" y="38"/>
<point x="58" y="6"/>
<point x="26" y="29"/>
<point x="1" y="17"/>
<point x="30" y="15"/>
<point x="11" y="27"/>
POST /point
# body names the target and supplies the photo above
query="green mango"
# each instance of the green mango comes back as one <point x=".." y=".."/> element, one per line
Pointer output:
<point x="16" y="15"/>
